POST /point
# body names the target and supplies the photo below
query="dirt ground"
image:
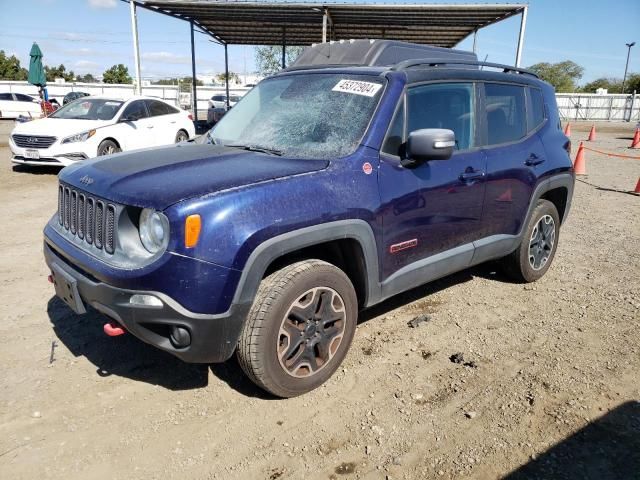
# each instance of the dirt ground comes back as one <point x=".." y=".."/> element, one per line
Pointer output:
<point x="548" y="387"/>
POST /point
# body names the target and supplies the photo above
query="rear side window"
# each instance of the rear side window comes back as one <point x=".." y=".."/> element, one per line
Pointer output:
<point x="395" y="135"/>
<point x="6" y="96"/>
<point x="135" y="111"/>
<point x="506" y="121"/>
<point x="157" y="108"/>
<point x="535" y="108"/>
<point x="24" y="98"/>
<point x="447" y="105"/>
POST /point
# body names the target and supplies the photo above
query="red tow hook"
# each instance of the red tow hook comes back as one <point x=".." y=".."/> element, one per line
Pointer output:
<point x="113" y="329"/>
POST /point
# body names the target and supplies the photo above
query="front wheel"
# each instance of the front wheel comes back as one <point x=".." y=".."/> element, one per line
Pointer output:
<point x="299" y="329"/>
<point x="108" y="147"/>
<point x="534" y="255"/>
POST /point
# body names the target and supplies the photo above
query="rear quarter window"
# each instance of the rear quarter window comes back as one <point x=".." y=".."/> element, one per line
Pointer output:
<point x="535" y="109"/>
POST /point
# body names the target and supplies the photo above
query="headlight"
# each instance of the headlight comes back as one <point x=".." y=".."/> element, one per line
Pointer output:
<point x="154" y="230"/>
<point x="79" y="137"/>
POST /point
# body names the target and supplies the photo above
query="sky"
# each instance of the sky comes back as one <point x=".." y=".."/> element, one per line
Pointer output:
<point x="88" y="36"/>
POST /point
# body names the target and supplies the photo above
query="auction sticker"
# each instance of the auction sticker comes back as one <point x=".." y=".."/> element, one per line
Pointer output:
<point x="357" y="87"/>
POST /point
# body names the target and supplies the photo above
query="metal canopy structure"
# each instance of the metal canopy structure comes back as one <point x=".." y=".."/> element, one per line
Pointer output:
<point x="238" y="22"/>
<point x="265" y="23"/>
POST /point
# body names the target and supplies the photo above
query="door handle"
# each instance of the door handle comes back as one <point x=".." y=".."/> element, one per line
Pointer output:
<point x="150" y="126"/>
<point x="471" y="175"/>
<point x="533" y="160"/>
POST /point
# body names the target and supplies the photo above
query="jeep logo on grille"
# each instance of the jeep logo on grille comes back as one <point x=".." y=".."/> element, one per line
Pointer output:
<point x="87" y="180"/>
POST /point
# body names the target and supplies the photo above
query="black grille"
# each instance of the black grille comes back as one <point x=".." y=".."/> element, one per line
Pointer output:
<point x="87" y="218"/>
<point x="33" y="141"/>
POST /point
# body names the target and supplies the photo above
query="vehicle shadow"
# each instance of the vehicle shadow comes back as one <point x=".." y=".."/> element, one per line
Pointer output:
<point x="608" y="448"/>
<point x="125" y="356"/>
<point x="43" y="170"/>
<point x="486" y="270"/>
<point x="128" y="357"/>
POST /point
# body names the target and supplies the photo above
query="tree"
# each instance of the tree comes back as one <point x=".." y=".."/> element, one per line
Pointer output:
<point x="87" y="78"/>
<point x="117" y="74"/>
<point x="613" y="85"/>
<point x="184" y="82"/>
<point x="562" y="75"/>
<point x="10" y="68"/>
<point x="269" y="58"/>
<point x="233" y="77"/>
<point x="633" y="83"/>
<point x="59" y="72"/>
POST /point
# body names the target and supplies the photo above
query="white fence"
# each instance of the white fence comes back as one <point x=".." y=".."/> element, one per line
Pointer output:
<point x="572" y="106"/>
<point x="591" y="106"/>
<point x="169" y="93"/>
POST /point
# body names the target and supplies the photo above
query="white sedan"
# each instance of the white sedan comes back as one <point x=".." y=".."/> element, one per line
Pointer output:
<point x="13" y="105"/>
<point x="94" y="126"/>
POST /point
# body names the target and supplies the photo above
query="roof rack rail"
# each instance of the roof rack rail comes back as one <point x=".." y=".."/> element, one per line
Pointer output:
<point x="436" y="62"/>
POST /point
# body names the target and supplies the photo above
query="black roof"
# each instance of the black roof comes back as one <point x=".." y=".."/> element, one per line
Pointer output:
<point x="374" y="53"/>
<point x="300" y="22"/>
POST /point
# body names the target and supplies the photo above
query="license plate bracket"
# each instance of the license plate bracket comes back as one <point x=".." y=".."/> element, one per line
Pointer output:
<point x="67" y="289"/>
<point x="32" y="154"/>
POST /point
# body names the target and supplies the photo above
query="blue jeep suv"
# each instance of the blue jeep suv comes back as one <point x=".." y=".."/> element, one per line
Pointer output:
<point x="364" y="170"/>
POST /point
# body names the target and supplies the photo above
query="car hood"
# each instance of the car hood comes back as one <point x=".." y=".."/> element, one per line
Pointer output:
<point x="58" y="127"/>
<point x="159" y="177"/>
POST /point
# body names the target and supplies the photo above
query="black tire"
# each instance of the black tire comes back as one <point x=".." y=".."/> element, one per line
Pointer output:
<point x="181" y="136"/>
<point x="533" y="257"/>
<point x="108" y="147"/>
<point x="284" y="354"/>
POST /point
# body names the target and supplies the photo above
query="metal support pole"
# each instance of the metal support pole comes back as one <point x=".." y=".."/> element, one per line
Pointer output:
<point x="136" y="47"/>
<point x="523" y="26"/>
<point x="226" y="72"/>
<point x="626" y="67"/>
<point x="284" y="48"/>
<point x="475" y="40"/>
<point x="193" y="76"/>
<point x="324" y="27"/>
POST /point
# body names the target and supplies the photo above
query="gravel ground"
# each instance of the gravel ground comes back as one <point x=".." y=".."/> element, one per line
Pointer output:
<point x="494" y="380"/>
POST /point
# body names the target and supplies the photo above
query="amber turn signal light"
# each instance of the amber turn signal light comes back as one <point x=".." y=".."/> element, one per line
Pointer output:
<point x="192" y="226"/>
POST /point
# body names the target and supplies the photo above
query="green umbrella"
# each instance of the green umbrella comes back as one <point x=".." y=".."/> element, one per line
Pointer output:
<point x="36" y="70"/>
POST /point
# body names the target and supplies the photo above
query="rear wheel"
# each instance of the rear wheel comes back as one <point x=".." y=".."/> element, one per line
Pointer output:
<point x="182" y="136"/>
<point x="108" y="147"/>
<point x="533" y="257"/>
<point x="299" y="329"/>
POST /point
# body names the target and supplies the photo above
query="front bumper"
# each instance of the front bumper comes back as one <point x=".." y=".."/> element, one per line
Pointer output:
<point x="213" y="338"/>
<point x="57" y="154"/>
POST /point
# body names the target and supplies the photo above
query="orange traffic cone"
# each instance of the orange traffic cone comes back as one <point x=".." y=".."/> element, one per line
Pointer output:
<point x="592" y="134"/>
<point x="579" y="166"/>
<point x="567" y="130"/>
<point x="637" y="190"/>
<point x="635" y="143"/>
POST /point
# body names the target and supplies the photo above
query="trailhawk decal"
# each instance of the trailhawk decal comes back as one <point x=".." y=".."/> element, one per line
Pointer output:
<point x="357" y="87"/>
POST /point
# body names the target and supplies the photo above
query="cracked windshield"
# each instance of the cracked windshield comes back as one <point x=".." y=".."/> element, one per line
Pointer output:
<point x="303" y="116"/>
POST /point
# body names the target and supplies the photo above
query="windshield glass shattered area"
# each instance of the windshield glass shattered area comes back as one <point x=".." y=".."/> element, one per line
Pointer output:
<point x="304" y="116"/>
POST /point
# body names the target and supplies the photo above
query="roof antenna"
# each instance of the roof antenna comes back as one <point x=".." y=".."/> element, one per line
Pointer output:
<point x="484" y="61"/>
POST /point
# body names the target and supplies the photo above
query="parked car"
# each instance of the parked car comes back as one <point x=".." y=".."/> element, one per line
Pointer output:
<point x="96" y="126"/>
<point x="220" y="101"/>
<point x="324" y="191"/>
<point x="214" y="114"/>
<point x="71" y="96"/>
<point x="14" y="105"/>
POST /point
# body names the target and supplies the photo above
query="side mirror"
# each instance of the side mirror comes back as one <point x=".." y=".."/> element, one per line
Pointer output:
<point x="126" y="119"/>
<point x="429" y="144"/>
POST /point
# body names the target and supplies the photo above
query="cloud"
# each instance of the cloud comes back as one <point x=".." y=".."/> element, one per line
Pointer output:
<point x="103" y="3"/>
<point x="71" y="36"/>
<point x="166" y="57"/>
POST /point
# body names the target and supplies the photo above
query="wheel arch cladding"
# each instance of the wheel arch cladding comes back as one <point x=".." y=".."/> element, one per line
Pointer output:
<point x="335" y="240"/>
<point x="558" y="196"/>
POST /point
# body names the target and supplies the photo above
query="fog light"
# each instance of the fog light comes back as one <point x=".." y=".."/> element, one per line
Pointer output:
<point x="145" y="300"/>
<point x="180" y="337"/>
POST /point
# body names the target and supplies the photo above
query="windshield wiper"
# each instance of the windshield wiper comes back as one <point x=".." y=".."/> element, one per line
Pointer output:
<point x="256" y="148"/>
